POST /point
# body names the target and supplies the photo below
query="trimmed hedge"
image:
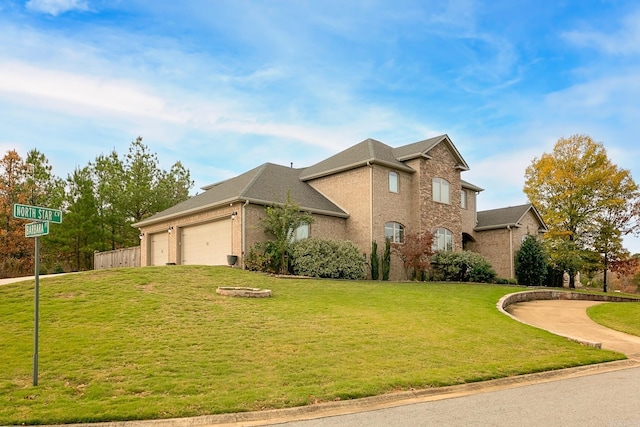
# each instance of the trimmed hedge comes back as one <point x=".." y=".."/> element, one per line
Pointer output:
<point x="331" y="259"/>
<point x="462" y="266"/>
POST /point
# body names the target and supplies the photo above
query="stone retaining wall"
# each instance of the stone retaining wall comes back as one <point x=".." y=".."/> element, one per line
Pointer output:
<point x="548" y="294"/>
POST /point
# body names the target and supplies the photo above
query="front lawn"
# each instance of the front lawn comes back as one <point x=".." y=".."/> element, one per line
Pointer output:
<point x="621" y="316"/>
<point x="158" y="342"/>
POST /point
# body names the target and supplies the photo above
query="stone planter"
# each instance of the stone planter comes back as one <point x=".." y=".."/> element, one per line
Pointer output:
<point x="243" y="292"/>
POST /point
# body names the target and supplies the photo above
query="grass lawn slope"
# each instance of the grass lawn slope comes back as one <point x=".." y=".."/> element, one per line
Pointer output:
<point x="158" y="342"/>
<point x="623" y="317"/>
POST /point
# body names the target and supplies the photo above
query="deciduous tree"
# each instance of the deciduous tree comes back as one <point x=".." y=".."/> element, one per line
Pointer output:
<point x="16" y="251"/>
<point x="415" y="253"/>
<point x="575" y="188"/>
<point x="280" y="222"/>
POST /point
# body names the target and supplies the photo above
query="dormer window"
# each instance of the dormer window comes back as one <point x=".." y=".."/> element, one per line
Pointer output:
<point x="441" y="190"/>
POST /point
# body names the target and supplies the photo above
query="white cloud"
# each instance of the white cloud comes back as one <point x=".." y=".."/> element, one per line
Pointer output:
<point x="625" y="41"/>
<point x="77" y="92"/>
<point x="56" y="7"/>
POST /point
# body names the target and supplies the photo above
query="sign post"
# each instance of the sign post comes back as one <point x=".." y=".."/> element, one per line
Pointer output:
<point x="36" y="310"/>
<point x="40" y="227"/>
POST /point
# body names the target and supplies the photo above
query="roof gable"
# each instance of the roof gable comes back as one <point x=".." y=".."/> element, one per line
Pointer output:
<point x="422" y="148"/>
<point x="507" y="217"/>
<point x="369" y="151"/>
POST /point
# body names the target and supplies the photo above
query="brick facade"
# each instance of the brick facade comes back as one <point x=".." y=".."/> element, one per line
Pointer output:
<point x="358" y="203"/>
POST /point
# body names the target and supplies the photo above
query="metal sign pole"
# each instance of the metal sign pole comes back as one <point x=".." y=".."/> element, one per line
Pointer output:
<point x="36" y="309"/>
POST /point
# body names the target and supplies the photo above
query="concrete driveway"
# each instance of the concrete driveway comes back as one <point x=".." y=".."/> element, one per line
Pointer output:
<point x="569" y="319"/>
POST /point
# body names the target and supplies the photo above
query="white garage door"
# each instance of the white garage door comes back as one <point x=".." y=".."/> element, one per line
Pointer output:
<point x="159" y="248"/>
<point x="206" y="244"/>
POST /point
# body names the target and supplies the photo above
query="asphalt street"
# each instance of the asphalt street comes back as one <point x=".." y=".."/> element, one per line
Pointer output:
<point x="609" y="399"/>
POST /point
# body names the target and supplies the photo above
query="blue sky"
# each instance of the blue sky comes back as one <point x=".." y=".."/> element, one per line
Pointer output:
<point x="224" y="86"/>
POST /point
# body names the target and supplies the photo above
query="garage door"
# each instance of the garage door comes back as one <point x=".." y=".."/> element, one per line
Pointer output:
<point x="206" y="244"/>
<point x="159" y="248"/>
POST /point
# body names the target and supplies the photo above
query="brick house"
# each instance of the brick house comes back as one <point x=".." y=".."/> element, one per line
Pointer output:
<point x="365" y="193"/>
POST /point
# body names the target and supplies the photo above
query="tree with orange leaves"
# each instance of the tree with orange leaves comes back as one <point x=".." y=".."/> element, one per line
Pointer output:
<point x="587" y="202"/>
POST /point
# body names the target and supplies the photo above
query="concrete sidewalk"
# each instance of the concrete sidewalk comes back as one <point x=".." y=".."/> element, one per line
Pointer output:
<point x="30" y="279"/>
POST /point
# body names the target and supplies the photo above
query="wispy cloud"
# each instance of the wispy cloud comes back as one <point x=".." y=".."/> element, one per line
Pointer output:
<point x="625" y="40"/>
<point x="56" y="7"/>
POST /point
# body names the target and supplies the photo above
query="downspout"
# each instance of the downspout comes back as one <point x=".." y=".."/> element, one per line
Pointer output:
<point x="242" y="231"/>
<point x="510" y="251"/>
<point x="370" y="201"/>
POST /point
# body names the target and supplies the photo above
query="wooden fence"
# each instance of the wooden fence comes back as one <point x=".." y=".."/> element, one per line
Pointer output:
<point x="127" y="257"/>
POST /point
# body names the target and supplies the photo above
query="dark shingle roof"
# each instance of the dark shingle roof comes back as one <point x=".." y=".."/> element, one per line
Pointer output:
<point x="503" y="217"/>
<point x="367" y="151"/>
<point x="266" y="184"/>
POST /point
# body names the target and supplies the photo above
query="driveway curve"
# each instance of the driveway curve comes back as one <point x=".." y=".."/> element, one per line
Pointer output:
<point x="569" y="318"/>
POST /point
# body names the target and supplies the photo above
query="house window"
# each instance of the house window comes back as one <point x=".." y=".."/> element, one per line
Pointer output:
<point x="440" y="190"/>
<point x="300" y="233"/>
<point x="394" y="232"/>
<point x="443" y="240"/>
<point x="393" y="182"/>
<point x="463" y="199"/>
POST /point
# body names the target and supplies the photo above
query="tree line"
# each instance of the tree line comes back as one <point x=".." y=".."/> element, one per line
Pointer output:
<point x="99" y="201"/>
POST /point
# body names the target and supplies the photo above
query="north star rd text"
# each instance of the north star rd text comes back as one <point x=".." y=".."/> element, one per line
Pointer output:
<point x="34" y="212"/>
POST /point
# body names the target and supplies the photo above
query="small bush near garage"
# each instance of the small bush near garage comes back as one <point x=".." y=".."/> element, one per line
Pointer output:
<point x="334" y="259"/>
<point x="462" y="266"/>
<point x="263" y="257"/>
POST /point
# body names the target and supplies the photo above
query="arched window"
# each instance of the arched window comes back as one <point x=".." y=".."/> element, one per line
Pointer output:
<point x="441" y="190"/>
<point x="443" y="240"/>
<point x="393" y="182"/>
<point x="394" y="231"/>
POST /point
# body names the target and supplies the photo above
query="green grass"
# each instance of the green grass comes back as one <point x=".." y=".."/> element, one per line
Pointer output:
<point x="158" y="342"/>
<point x="621" y="316"/>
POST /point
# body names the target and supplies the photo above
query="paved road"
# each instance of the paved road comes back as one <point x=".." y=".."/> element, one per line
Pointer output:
<point x="609" y="399"/>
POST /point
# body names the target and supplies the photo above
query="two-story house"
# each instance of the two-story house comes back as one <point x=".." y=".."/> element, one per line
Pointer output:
<point x="368" y="192"/>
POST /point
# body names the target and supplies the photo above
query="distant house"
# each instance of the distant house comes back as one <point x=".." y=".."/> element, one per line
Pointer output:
<point x="368" y="192"/>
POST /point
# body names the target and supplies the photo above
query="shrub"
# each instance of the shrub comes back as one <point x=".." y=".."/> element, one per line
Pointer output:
<point x="264" y="257"/>
<point x="334" y="259"/>
<point x="531" y="263"/>
<point x="386" y="260"/>
<point x="463" y="266"/>
<point x="374" y="261"/>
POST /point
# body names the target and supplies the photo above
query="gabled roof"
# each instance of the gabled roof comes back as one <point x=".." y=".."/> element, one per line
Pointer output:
<point x="506" y="217"/>
<point x="366" y="152"/>
<point x="266" y="184"/>
<point x="422" y="148"/>
<point x="371" y="151"/>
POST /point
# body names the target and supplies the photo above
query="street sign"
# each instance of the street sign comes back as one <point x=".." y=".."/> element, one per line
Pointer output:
<point x="36" y="229"/>
<point x="37" y="213"/>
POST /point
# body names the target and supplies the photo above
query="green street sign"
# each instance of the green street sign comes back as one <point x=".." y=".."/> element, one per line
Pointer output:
<point x="37" y="213"/>
<point x="35" y="229"/>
